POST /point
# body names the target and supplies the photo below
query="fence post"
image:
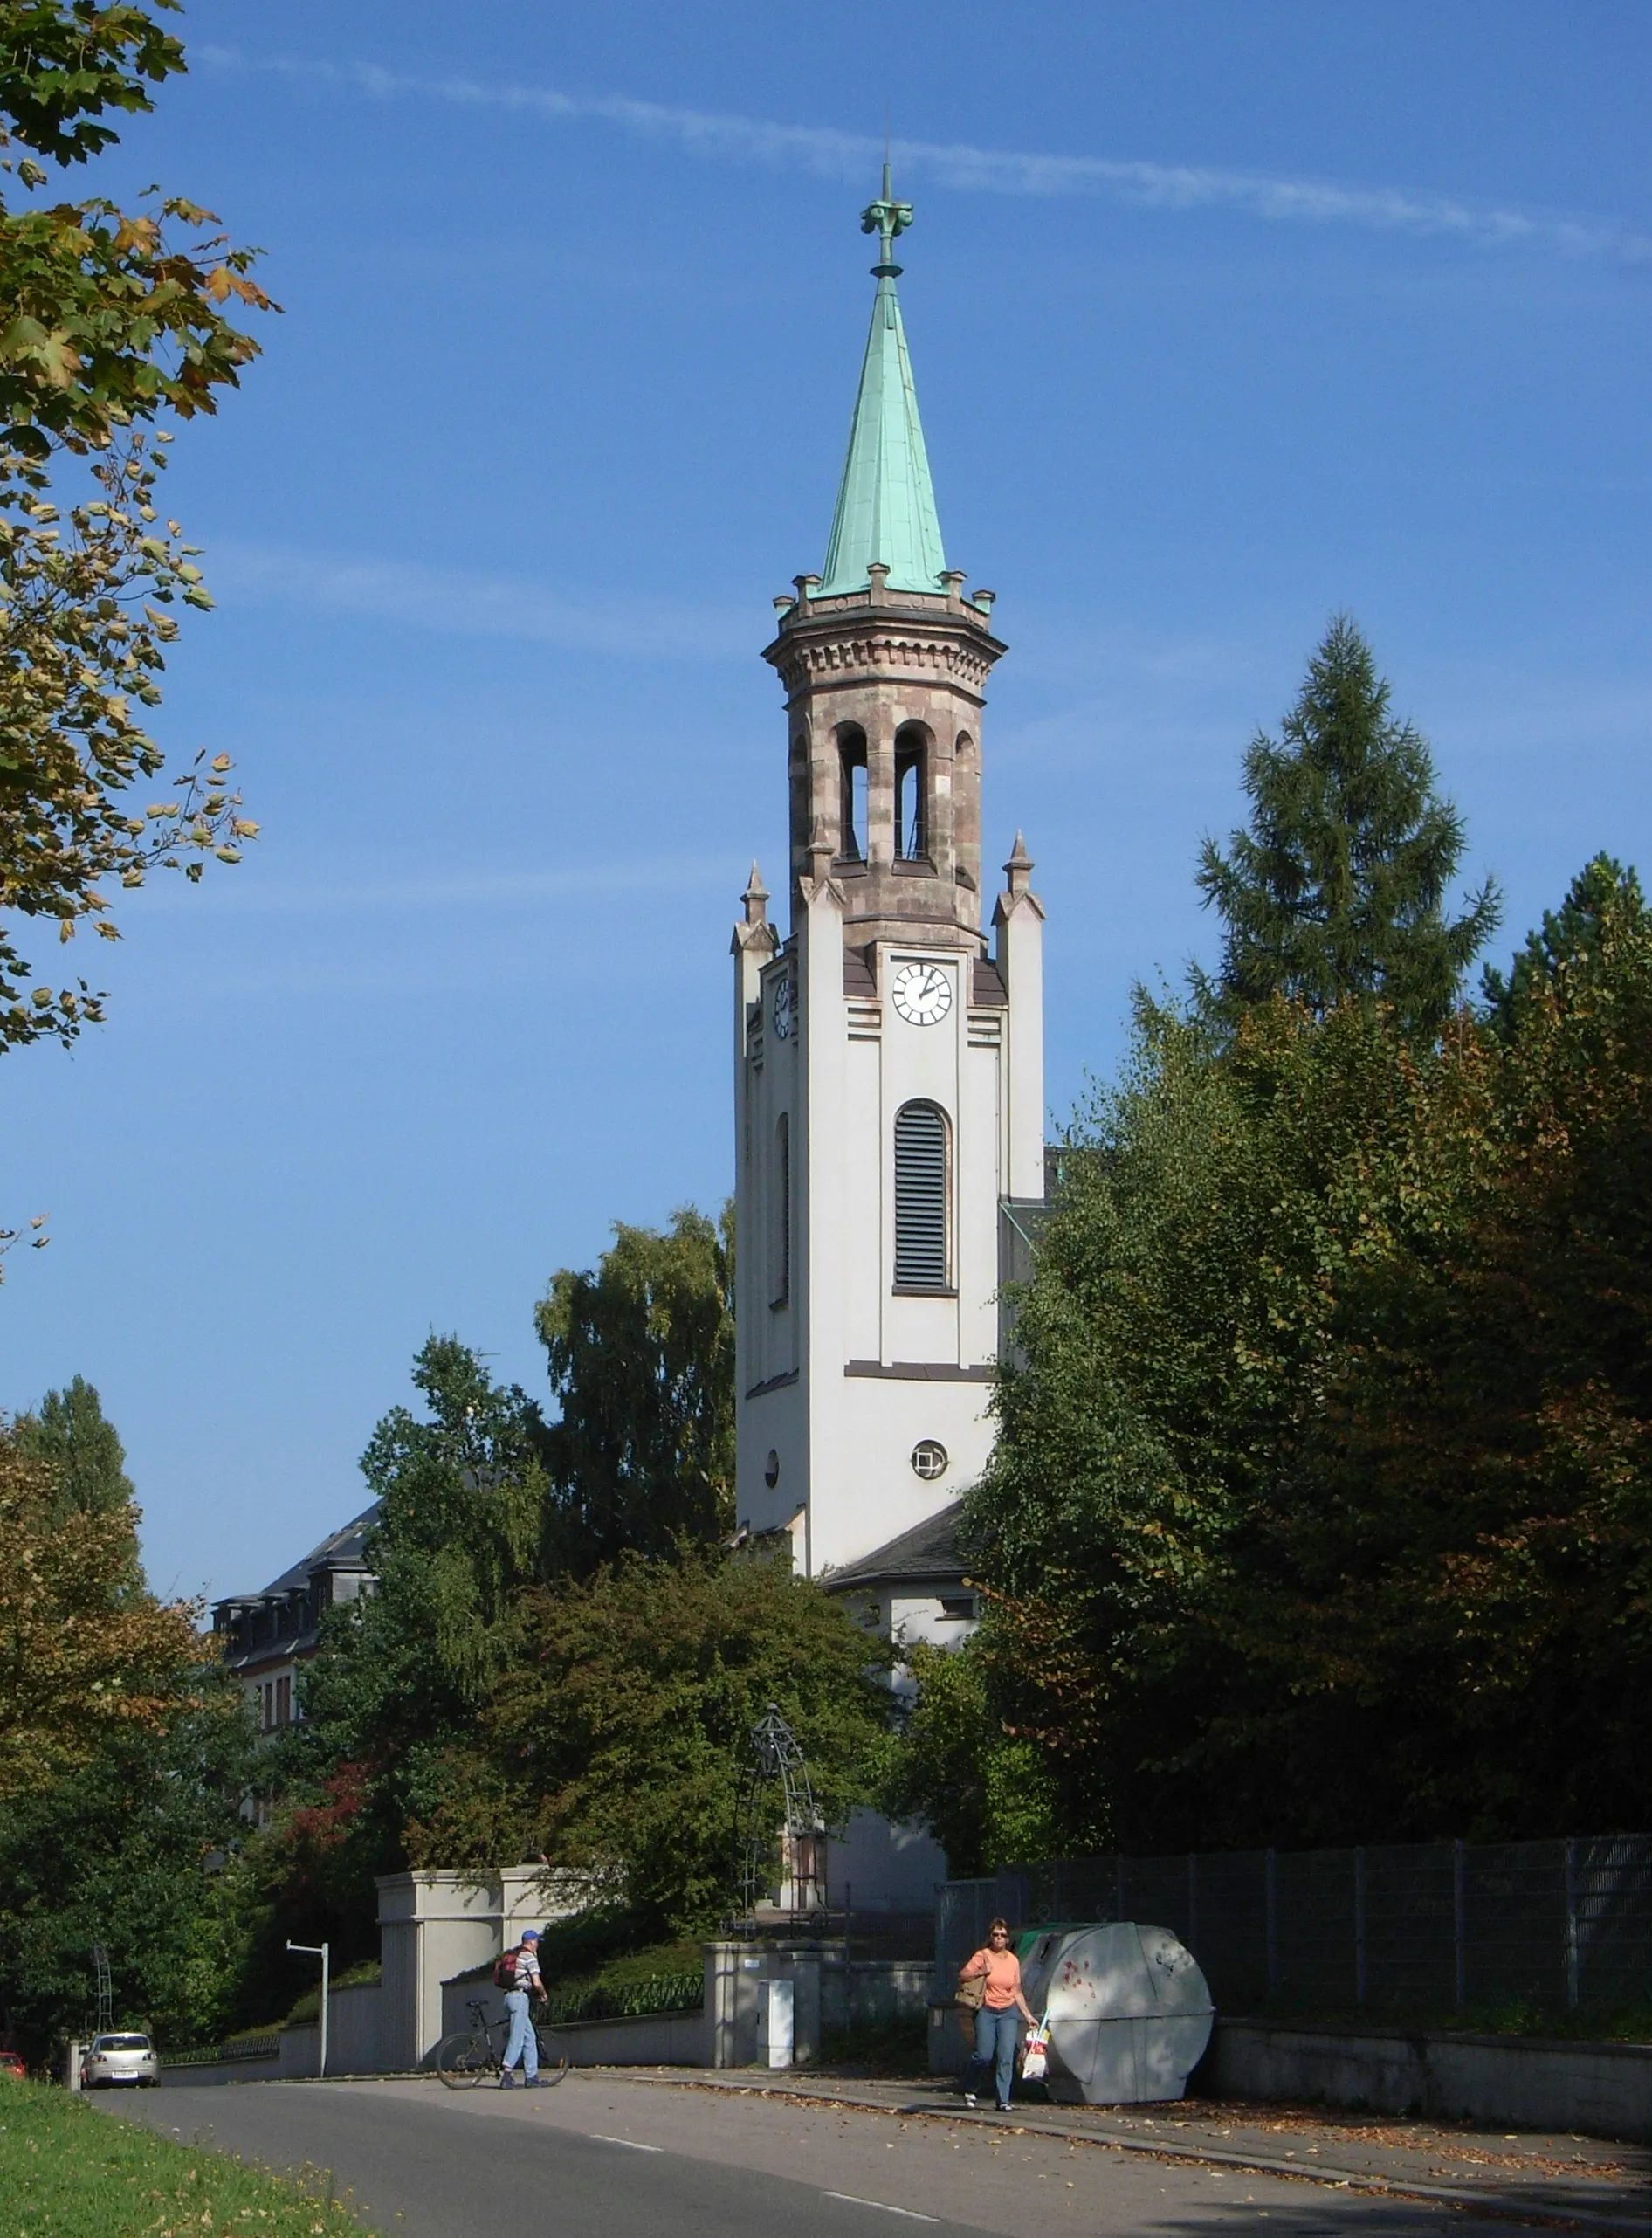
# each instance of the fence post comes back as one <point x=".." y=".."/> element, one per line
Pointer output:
<point x="1360" y="1928"/>
<point x="1572" y="1952"/>
<point x="1193" y="1900"/>
<point x="1273" y="1925"/>
<point x="1460" y="1923"/>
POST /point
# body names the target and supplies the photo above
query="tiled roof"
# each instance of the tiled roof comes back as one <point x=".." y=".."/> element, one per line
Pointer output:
<point x="988" y="985"/>
<point x="929" y="1552"/>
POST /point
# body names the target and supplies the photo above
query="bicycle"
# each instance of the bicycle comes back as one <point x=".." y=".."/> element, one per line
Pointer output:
<point x="465" y="2058"/>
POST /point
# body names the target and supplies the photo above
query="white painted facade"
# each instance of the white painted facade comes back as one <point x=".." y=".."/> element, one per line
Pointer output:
<point x="845" y="1372"/>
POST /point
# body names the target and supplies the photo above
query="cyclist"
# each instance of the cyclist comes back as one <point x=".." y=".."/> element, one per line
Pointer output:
<point x="524" y="2044"/>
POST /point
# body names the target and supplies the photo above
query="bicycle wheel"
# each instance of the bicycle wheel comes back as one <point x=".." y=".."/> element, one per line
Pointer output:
<point x="462" y="2059"/>
<point x="552" y="2056"/>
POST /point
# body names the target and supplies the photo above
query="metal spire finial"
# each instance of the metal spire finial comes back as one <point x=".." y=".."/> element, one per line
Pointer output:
<point x="888" y="219"/>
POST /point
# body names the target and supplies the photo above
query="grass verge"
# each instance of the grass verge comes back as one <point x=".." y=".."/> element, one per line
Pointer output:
<point x="67" y="2171"/>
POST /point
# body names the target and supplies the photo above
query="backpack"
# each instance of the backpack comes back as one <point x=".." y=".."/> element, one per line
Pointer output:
<point x="505" y="1969"/>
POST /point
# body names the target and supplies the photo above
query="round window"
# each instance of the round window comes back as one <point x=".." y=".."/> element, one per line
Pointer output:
<point x="771" y="1471"/>
<point x="929" y="1459"/>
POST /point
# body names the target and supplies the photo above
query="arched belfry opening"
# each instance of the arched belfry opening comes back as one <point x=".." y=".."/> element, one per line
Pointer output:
<point x="852" y="823"/>
<point x="913" y="777"/>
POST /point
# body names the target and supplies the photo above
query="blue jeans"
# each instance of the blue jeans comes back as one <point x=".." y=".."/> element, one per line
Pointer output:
<point x="524" y="2044"/>
<point x="995" y="2038"/>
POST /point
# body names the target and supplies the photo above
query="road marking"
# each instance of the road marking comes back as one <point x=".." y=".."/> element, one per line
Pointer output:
<point x="629" y="2143"/>
<point x="883" y="2206"/>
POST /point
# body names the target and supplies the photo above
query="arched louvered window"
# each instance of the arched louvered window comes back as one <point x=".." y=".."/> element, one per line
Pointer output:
<point x="921" y="1223"/>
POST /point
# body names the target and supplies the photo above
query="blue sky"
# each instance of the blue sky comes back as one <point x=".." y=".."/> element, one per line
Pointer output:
<point x="1222" y="318"/>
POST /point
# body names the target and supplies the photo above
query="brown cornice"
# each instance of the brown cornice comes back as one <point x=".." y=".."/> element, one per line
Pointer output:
<point x="849" y="640"/>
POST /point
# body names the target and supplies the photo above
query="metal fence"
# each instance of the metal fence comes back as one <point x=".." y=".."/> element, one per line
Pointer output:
<point x="264" y="2047"/>
<point x="1425" y="1928"/>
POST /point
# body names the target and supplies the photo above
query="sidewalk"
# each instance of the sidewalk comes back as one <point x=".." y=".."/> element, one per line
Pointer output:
<point x="1577" y="2180"/>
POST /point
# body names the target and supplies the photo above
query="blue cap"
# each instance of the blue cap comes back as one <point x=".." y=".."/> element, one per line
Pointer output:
<point x="530" y="1934"/>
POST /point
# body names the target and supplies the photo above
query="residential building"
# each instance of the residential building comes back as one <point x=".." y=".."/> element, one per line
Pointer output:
<point x="267" y="1637"/>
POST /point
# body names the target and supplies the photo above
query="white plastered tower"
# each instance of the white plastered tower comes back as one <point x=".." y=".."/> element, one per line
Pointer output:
<point x="888" y="1060"/>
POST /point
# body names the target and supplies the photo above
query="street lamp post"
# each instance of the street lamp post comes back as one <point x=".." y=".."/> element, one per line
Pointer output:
<point x="318" y="1951"/>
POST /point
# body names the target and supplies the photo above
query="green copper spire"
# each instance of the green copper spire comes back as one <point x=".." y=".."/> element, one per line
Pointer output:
<point x="886" y="505"/>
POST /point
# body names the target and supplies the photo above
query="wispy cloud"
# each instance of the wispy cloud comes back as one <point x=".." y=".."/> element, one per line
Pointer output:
<point x="827" y="152"/>
<point x="463" y="604"/>
<point x="442" y="891"/>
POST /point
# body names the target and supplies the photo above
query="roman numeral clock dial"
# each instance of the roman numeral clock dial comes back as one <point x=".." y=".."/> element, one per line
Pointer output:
<point x="922" y="993"/>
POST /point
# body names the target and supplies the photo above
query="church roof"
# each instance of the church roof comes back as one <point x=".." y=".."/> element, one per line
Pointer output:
<point x="886" y="505"/>
<point x="929" y="1552"/>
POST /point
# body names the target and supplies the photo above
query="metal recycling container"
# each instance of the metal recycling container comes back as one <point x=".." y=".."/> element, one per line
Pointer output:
<point x="1130" y="2013"/>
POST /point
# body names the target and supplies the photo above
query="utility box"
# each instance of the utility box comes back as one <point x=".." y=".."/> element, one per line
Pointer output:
<point x="1130" y="2013"/>
<point x="776" y="2011"/>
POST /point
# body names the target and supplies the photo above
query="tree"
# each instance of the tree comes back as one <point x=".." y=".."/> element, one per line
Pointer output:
<point x="620" y="1734"/>
<point x="132" y="1850"/>
<point x="1321" y="1505"/>
<point x="404" y="1672"/>
<point x="642" y="1363"/>
<point x="1464" y="1557"/>
<point x="1336" y="890"/>
<point x="985" y="1794"/>
<point x="1602" y="892"/>
<point x="72" y="1435"/>
<point x="107" y="320"/>
<point x="86" y="1655"/>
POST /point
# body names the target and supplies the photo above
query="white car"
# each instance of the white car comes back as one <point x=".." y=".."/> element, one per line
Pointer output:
<point x="112" y="2060"/>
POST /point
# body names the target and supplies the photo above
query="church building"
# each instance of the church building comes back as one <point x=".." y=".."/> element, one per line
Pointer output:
<point x="888" y="1046"/>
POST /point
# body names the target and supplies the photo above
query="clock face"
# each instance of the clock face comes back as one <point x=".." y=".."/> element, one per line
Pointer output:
<point x="922" y="993"/>
<point x="783" y="1008"/>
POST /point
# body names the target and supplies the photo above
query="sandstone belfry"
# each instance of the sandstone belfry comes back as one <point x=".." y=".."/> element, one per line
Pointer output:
<point x="889" y="1063"/>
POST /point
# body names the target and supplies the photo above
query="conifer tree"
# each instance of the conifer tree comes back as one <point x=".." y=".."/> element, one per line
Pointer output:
<point x="1338" y="888"/>
<point x="1602" y="892"/>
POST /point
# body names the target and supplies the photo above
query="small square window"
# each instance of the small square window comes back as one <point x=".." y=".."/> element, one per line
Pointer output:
<point x="957" y="1608"/>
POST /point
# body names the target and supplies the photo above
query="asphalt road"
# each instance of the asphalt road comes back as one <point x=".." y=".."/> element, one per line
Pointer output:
<point x="620" y="2159"/>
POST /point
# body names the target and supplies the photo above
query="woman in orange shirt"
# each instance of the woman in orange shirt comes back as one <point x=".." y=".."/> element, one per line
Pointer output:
<point x="999" y="1970"/>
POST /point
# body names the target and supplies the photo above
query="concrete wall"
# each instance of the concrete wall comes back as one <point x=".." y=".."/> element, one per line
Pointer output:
<point x="1599" y="2089"/>
<point x="434" y="1925"/>
<point x="831" y="1993"/>
<point x="875" y="1865"/>
<point x="220" y="2070"/>
<point x="651" y="2040"/>
<point x="354" y="2036"/>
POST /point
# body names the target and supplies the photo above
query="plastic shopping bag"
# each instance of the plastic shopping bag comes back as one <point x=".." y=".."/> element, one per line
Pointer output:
<point x="1034" y="2063"/>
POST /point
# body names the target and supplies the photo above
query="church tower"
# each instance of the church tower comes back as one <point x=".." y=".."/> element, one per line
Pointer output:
<point x="888" y="1061"/>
